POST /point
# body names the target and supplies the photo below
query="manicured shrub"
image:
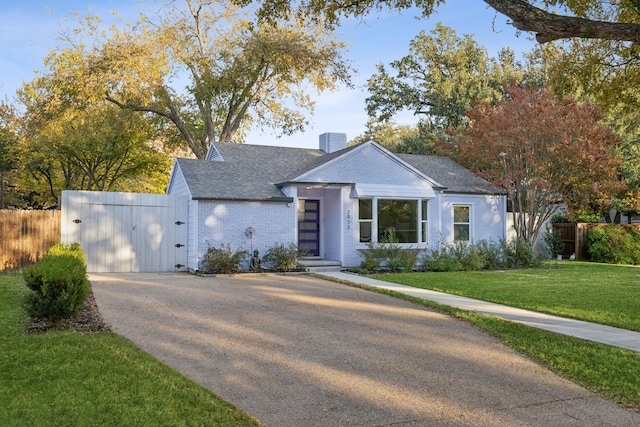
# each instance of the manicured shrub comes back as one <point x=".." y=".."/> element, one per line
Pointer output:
<point x="470" y="257"/>
<point x="460" y="256"/>
<point x="614" y="244"/>
<point x="283" y="258"/>
<point x="463" y="256"/>
<point x="519" y="253"/>
<point x="491" y="255"/>
<point x="441" y="261"/>
<point x="374" y="256"/>
<point x="222" y="260"/>
<point x="73" y="249"/>
<point x="59" y="284"/>
<point x="403" y="260"/>
<point x="387" y="254"/>
<point x="369" y="264"/>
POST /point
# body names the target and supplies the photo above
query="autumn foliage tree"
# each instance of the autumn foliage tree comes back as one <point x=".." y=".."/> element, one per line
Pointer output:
<point x="542" y="151"/>
<point x="208" y="70"/>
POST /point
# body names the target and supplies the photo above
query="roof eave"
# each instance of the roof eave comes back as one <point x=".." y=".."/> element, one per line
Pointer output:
<point x="315" y="183"/>
<point x="247" y="199"/>
<point x="485" y="193"/>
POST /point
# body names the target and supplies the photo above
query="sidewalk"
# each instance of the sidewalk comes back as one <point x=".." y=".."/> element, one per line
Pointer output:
<point x="588" y="331"/>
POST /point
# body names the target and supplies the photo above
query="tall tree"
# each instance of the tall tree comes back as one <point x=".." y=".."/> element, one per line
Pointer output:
<point x="409" y="139"/>
<point x="237" y="73"/>
<point x="69" y="141"/>
<point x="440" y="78"/>
<point x="575" y="20"/>
<point x="542" y="151"/>
<point x="8" y="140"/>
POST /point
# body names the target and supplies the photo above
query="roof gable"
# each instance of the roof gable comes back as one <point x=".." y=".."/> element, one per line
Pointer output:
<point x="367" y="163"/>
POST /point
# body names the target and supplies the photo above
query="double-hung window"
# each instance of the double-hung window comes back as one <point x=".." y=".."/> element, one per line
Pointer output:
<point x="424" y="224"/>
<point x="400" y="220"/>
<point x="365" y="219"/>
<point x="461" y="223"/>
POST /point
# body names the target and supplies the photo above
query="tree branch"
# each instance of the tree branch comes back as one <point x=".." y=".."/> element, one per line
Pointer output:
<point x="549" y="27"/>
<point x="173" y="115"/>
<point x="139" y="108"/>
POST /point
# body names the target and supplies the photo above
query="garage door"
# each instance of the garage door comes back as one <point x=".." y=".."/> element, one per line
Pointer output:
<point x="127" y="232"/>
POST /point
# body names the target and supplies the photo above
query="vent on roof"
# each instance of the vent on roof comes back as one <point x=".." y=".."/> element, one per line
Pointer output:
<point x="330" y="142"/>
<point x="214" y="154"/>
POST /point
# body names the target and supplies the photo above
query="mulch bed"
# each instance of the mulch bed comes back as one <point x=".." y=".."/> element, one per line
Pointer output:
<point x="88" y="320"/>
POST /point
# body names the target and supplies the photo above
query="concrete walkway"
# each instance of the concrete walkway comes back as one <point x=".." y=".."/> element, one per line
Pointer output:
<point x="588" y="331"/>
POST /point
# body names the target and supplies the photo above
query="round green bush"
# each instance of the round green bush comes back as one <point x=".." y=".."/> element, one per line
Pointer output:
<point x="59" y="284"/>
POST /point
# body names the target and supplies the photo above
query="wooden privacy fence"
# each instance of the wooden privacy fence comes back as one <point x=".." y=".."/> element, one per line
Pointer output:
<point x="25" y="236"/>
<point x="574" y="237"/>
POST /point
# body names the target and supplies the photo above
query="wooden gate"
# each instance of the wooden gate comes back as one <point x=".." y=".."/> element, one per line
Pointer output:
<point x="127" y="232"/>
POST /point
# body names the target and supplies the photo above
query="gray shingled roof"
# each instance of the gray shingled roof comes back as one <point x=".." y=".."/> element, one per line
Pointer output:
<point x="252" y="172"/>
<point x="248" y="172"/>
<point x="453" y="176"/>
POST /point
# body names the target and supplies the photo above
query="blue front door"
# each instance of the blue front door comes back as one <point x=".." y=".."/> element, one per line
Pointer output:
<point x="309" y="227"/>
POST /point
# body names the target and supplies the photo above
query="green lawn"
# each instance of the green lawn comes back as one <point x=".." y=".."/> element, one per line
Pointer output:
<point x="74" y="379"/>
<point x="65" y="378"/>
<point x="607" y="294"/>
<point x="600" y="293"/>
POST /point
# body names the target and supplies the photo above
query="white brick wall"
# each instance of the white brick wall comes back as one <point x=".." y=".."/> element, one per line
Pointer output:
<point x="225" y="222"/>
<point x="487" y="216"/>
<point x="192" y="241"/>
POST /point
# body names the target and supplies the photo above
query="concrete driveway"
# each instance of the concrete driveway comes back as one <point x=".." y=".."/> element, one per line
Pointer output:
<point x="302" y="351"/>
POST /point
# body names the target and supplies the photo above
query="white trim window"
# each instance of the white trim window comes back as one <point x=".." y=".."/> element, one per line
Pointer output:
<point x="424" y="220"/>
<point x="405" y="219"/>
<point x="461" y="223"/>
<point x="365" y="219"/>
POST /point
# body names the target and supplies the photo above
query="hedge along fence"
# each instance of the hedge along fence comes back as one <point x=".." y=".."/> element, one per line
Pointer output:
<point x="574" y="237"/>
<point x="25" y="236"/>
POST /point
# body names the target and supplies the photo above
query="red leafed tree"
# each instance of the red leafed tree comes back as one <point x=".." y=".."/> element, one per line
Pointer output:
<point x="542" y="151"/>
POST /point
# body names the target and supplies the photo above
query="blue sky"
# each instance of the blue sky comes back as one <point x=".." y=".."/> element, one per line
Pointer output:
<point x="28" y="28"/>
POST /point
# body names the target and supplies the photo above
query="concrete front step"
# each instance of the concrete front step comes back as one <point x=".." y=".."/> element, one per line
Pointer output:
<point x="326" y="269"/>
<point x="319" y="265"/>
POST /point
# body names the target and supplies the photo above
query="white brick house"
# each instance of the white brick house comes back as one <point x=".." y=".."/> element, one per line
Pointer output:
<point x="332" y="201"/>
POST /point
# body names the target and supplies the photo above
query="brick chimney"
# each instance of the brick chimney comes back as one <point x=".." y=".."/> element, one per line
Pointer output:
<point x="330" y="142"/>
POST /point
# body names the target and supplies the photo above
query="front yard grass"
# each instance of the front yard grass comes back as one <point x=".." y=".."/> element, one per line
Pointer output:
<point x="599" y="293"/>
<point x="66" y="378"/>
<point x="73" y="379"/>
<point x="606" y="294"/>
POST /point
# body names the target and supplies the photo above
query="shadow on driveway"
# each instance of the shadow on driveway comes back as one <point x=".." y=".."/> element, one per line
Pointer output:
<point x="302" y="351"/>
